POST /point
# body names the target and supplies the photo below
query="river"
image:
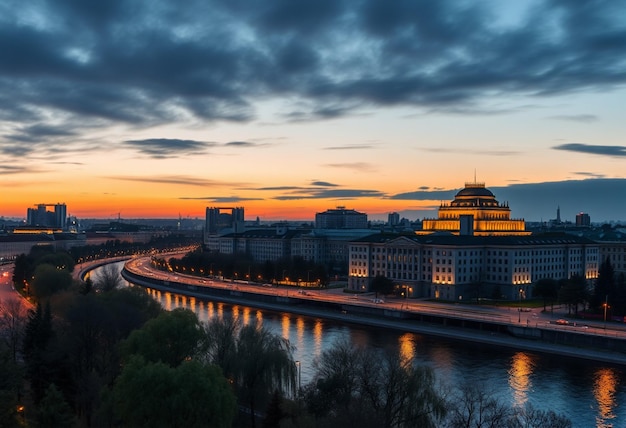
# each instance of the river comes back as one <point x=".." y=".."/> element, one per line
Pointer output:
<point x="590" y="394"/>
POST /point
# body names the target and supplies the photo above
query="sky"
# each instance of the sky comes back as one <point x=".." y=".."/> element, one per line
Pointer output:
<point x="162" y="108"/>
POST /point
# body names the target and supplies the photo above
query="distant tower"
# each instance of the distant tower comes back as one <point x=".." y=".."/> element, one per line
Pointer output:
<point x="558" y="215"/>
<point x="393" y="219"/>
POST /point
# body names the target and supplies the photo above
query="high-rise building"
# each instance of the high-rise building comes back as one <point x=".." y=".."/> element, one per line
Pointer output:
<point x="40" y="216"/>
<point x="583" y="219"/>
<point x="216" y="220"/>
<point x="340" y="218"/>
<point x="393" y="219"/>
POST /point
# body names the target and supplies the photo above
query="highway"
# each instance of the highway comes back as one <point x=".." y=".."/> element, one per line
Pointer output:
<point x="512" y="315"/>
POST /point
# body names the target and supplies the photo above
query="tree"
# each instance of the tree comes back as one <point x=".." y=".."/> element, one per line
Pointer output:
<point x="574" y="292"/>
<point x="258" y="361"/>
<point x="154" y="395"/>
<point x="529" y="417"/>
<point x="381" y="284"/>
<point x="548" y="289"/>
<point x="171" y="338"/>
<point x="10" y="385"/>
<point x="49" y="280"/>
<point x="38" y="335"/>
<point x="372" y="388"/>
<point x="605" y="284"/>
<point x="54" y="411"/>
<point x="13" y="318"/>
<point x="473" y="406"/>
<point x="108" y="278"/>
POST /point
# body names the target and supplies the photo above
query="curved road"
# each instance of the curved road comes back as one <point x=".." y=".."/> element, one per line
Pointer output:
<point x="533" y="318"/>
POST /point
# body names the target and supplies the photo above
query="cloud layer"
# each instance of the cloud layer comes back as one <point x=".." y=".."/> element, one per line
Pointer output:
<point x="68" y="65"/>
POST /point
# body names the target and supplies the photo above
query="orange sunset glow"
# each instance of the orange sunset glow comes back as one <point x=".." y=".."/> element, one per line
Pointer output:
<point x="288" y="117"/>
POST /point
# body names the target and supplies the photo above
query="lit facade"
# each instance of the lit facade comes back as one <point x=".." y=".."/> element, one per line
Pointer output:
<point x="475" y="211"/>
<point x="457" y="267"/>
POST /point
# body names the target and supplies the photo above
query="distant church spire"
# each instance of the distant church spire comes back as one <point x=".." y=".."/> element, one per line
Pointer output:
<point x="558" y="214"/>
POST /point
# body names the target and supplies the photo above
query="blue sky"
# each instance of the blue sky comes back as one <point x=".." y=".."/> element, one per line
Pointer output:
<point x="288" y="108"/>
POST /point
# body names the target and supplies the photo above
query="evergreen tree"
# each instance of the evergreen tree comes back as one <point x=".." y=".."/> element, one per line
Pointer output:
<point x="54" y="411"/>
<point x="605" y="285"/>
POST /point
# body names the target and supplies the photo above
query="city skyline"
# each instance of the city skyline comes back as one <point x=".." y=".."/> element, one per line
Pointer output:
<point x="124" y="111"/>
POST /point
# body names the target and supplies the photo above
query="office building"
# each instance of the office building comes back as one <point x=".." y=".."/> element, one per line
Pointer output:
<point x="340" y="218"/>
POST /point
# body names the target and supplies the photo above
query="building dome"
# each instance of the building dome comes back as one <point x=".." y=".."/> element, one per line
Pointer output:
<point x="474" y="194"/>
<point x="475" y="210"/>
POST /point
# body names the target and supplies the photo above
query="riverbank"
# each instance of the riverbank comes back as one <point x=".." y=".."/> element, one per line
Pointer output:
<point x="452" y="327"/>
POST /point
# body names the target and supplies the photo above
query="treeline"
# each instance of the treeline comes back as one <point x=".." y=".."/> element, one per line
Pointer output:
<point x="240" y="266"/>
<point x="605" y="296"/>
<point x="116" y="247"/>
<point x="97" y="355"/>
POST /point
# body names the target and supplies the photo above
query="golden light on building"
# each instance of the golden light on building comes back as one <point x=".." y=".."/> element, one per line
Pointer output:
<point x="475" y="211"/>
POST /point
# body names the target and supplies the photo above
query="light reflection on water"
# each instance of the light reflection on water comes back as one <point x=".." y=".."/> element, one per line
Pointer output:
<point x="589" y="394"/>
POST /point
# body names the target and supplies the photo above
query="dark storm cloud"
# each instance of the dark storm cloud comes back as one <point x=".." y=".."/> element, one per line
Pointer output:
<point x="168" y="147"/>
<point x="613" y="151"/>
<point x="147" y="63"/>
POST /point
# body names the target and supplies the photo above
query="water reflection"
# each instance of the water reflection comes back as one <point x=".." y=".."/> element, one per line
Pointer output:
<point x="589" y="394"/>
<point x="407" y="348"/>
<point x="604" y="389"/>
<point x="522" y="367"/>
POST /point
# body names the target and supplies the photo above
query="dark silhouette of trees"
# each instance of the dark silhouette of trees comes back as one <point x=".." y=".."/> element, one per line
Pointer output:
<point x="605" y="285"/>
<point x="37" y="338"/>
<point x="54" y="411"/>
<point x="108" y="278"/>
<point x="13" y="318"/>
<point x="257" y="361"/>
<point x="574" y="292"/>
<point x="372" y="388"/>
<point x="10" y="389"/>
<point x="548" y="290"/>
<point x="154" y="394"/>
<point x="475" y="406"/>
<point x="49" y="280"/>
<point x="171" y="338"/>
<point x="381" y="284"/>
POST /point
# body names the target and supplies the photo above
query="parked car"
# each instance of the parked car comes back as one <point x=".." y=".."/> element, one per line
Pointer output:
<point x="562" y="322"/>
<point x="378" y="301"/>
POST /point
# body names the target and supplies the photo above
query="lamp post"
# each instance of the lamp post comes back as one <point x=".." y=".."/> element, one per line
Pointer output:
<point x="299" y="374"/>
<point x="606" y="304"/>
<point x="519" y="310"/>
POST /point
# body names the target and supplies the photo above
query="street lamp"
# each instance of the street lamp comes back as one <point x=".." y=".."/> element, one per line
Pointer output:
<point x="519" y="310"/>
<point x="606" y="305"/>
<point x="299" y="374"/>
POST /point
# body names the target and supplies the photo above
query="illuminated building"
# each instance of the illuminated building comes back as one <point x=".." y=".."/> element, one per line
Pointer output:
<point x="475" y="211"/>
<point x="453" y="267"/>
